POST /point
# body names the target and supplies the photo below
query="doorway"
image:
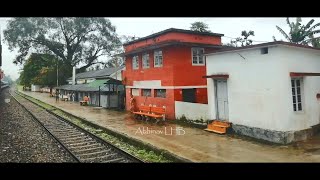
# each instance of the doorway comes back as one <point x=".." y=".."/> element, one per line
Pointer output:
<point x="222" y="108"/>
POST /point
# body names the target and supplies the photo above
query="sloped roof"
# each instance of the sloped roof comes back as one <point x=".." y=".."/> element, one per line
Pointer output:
<point x="263" y="45"/>
<point x="96" y="74"/>
<point x="93" y="86"/>
<point x="173" y="30"/>
<point x="170" y="43"/>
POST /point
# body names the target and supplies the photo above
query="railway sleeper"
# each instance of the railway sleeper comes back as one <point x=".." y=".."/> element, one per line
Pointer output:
<point x="69" y="133"/>
<point x="82" y="143"/>
<point x="85" y="146"/>
<point x="81" y="139"/>
<point x="73" y="138"/>
<point x="95" y="153"/>
<point x="89" y="149"/>
<point x="100" y="158"/>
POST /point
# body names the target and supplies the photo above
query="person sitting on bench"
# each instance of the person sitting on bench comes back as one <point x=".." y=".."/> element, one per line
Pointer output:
<point x="85" y="100"/>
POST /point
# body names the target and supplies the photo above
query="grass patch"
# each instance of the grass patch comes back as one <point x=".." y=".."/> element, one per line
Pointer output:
<point x="144" y="154"/>
<point x="200" y="123"/>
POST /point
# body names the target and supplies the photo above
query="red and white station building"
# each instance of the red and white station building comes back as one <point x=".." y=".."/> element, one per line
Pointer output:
<point x="166" y="69"/>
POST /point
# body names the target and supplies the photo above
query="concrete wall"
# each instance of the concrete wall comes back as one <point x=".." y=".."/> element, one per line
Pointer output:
<point x="113" y="101"/>
<point x="305" y="60"/>
<point x="104" y="101"/>
<point x="259" y="87"/>
<point x="192" y="111"/>
<point x="35" y="88"/>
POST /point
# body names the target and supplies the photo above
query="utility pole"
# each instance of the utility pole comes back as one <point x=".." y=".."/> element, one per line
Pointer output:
<point x="99" y="96"/>
<point x="57" y="94"/>
<point x="57" y="74"/>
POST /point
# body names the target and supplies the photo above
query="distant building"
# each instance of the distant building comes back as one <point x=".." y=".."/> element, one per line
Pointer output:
<point x="268" y="91"/>
<point x="35" y="88"/>
<point x="100" y="86"/>
<point x="90" y="76"/>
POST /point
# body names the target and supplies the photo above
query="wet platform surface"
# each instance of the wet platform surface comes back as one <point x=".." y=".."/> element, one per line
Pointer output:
<point x="191" y="143"/>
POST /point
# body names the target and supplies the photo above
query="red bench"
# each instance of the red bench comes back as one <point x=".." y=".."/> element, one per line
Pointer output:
<point x="157" y="113"/>
<point x="151" y="112"/>
<point x="83" y="103"/>
<point x="143" y="111"/>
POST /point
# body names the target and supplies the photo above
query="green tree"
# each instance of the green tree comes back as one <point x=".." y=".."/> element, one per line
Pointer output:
<point x="117" y="60"/>
<point x="199" y="26"/>
<point x="315" y="42"/>
<point x="41" y="69"/>
<point x="73" y="40"/>
<point x="300" y="34"/>
<point x="243" y="41"/>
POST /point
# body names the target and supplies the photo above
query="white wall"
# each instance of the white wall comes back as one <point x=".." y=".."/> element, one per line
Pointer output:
<point x="104" y="101"/>
<point x="113" y="100"/>
<point x="305" y="60"/>
<point x="35" y="88"/>
<point x="259" y="87"/>
<point x="192" y="111"/>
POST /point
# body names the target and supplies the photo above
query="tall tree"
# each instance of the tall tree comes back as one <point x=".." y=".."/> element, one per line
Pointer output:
<point x="199" y="26"/>
<point x="75" y="41"/>
<point x="41" y="69"/>
<point x="117" y="60"/>
<point x="300" y="34"/>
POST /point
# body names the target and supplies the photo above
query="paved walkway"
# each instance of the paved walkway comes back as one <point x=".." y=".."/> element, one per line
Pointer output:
<point x="196" y="144"/>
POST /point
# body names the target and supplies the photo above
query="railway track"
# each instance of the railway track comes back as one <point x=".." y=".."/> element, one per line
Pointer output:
<point x="82" y="145"/>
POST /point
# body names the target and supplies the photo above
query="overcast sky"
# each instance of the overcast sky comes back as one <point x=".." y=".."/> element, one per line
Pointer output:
<point x="264" y="29"/>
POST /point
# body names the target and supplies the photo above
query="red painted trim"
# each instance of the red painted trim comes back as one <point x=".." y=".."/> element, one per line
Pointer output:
<point x="168" y="43"/>
<point x="217" y="76"/>
<point x="299" y="74"/>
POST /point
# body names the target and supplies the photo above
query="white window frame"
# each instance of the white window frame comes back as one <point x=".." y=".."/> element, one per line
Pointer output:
<point x="135" y="62"/>
<point x="197" y="56"/>
<point x="294" y="94"/>
<point x="135" y="92"/>
<point x="145" y="61"/>
<point x="157" y="55"/>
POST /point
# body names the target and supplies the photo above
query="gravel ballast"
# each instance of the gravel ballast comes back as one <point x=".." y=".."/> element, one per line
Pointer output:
<point x="22" y="139"/>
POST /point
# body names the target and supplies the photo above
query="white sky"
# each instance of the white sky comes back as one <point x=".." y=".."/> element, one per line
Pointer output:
<point x="264" y="29"/>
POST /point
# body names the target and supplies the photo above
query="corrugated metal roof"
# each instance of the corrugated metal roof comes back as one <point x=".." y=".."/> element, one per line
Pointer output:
<point x="93" y="86"/>
<point x="99" y="73"/>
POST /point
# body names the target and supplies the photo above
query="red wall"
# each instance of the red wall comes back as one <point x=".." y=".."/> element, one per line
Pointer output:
<point x="164" y="73"/>
<point x="177" y="70"/>
<point x="159" y="102"/>
<point x="185" y="74"/>
<point x="195" y="38"/>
